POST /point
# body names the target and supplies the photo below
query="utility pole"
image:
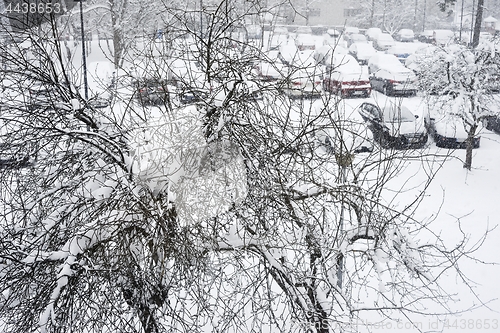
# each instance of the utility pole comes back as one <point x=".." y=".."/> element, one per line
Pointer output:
<point x="461" y="21"/>
<point x="423" y="20"/>
<point x="84" y="53"/>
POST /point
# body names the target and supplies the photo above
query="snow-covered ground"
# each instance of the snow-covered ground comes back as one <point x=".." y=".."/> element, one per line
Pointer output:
<point x="471" y="198"/>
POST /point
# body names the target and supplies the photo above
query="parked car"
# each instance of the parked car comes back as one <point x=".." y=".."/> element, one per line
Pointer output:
<point x="334" y="38"/>
<point x="269" y="72"/>
<point x="305" y="42"/>
<point x="394" y="125"/>
<point x="415" y="60"/>
<point x="448" y="131"/>
<point x="345" y="136"/>
<point x="305" y="82"/>
<point x="355" y="38"/>
<point x="16" y="156"/>
<point x="492" y="123"/>
<point x="426" y="36"/>
<point x="405" y="35"/>
<point x="278" y="37"/>
<point x="40" y="96"/>
<point x="151" y="91"/>
<point x="304" y="78"/>
<point x="442" y="37"/>
<point x="394" y="80"/>
<point x="323" y="55"/>
<point x="402" y="50"/>
<point x="351" y="30"/>
<point x="191" y="96"/>
<point x="383" y="41"/>
<point x="379" y="60"/>
<point x="254" y="31"/>
<point x="372" y="33"/>
<point x="304" y="30"/>
<point x="362" y="52"/>
<point x="346" y="77"/>
<point x="280" y="31"/>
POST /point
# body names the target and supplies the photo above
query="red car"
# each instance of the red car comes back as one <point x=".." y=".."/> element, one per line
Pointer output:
<point x="346" y="77"/>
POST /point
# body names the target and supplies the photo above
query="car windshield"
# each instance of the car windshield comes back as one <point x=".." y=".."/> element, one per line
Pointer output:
<point x="398" y="114"/>
<point x="404" y="76"/>
<point x="385" y="37"/>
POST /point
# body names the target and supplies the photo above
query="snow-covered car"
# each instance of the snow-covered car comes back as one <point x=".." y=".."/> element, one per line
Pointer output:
<point x="40" y="96"/>
<point x="254" y="31"/>
<point x="383" y="41"/>
<point x="323" y="55"/>
<point x="394" y="80"/>
<point x="394" y="125"/>
<point x="405" y="35"/>
<point x="305" y="42"/>
<point x="303" y="76"/>
<point x="304" y="30"/>
<point x="270" y="68"/>
<point x="269" y="72"/>
<point x="278" y="36"/>
<point x="355" y="38"/>
<point x="402" y="50"/>
<point x="345" y="136"/>
<point x="334" y="38"/>
<point x="448" y="131"/>
<point x="415" y="60"/>
<point x="288" y="53"/>
<point x="351" y="30"/>
<point x="382" y="60"/>
<point x="346" y="77"/>
<point x="150" y="91"/>
<point x="426" y="36"/>
<point x="362" y="52"/>
<point x="305" y="82"/>
<point x="371" y="33"/>
<point x="442" y="37"/>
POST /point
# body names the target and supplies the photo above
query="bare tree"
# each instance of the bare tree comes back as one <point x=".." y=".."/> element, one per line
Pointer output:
<point x="222" y="215"/>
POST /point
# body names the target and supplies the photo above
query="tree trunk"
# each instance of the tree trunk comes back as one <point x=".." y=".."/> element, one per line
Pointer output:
<point x="372" y="14"/>
<point x="477" y="24"/>
<point x="469" y="145"/>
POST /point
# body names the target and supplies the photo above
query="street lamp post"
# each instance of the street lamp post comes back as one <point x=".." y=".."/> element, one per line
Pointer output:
<point x="84" y="55"/>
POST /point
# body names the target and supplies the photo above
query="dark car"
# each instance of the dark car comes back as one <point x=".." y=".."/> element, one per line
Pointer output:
<point x="394" y="80"/>
<point x="151" y="91"/>
<point x="492" y="123"/>
<point x="394" y="125"/>
<point x="448" y="131"/>
<point x="40" y="96"/>
<point x="17" y="156"/>
<point x="192" y="96"/>
<point x="426" y="36"/>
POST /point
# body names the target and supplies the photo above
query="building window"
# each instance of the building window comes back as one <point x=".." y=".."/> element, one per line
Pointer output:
<point x="350" y="12"/>
<point x="314" y="12"/>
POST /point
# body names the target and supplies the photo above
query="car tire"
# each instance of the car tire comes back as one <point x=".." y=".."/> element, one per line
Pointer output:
<point x="384" y="140"/>
<point x="385" y="91"/>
